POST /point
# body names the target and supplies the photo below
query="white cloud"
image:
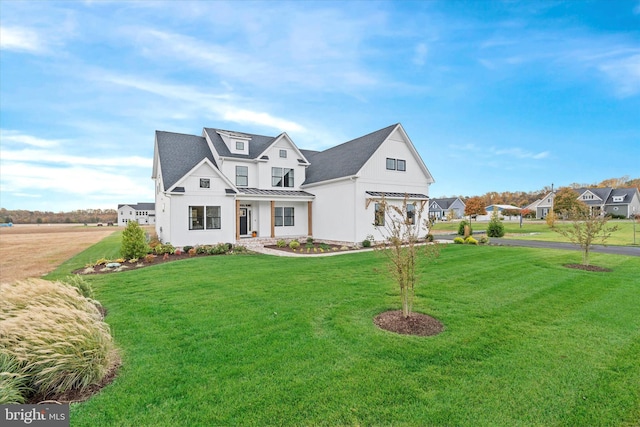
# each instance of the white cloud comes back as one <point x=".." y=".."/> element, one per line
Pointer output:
<point x="41" y="156"/>
<point x="20" y="39"/>
<point x="221" y="105"/>
<point x="625" y="73"/>
<point x="20" y="138"/>
<point x="29" y="179"/>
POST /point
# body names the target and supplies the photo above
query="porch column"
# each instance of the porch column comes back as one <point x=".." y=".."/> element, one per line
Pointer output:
<point x="309" y="219"/>
<point x="237" y="219"/>
<point x="273" y="219"/>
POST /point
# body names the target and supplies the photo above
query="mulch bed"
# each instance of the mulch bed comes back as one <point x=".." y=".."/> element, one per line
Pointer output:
<point x="159" y="259"/>
<point x="78" y="395"/>
<point x="416" y="324"/>
<point x="588" y="268"/>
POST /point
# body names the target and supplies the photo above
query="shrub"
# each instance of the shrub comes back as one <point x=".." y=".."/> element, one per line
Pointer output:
<point x="192" y="252"/>
<point x="484" y="240"/>
<point x="324" y="247"/>
<point x="366" y="243"/>
<point x="13" y="383"/>
<point x="163" y="249"/>
<point x="495" y="227"/>
<point x="461" y="227"/>
<point x="239" y="249"/>
<point x="81" y="285"/>
<point x="471" y="241"/>
<point x="429" y="237"/>
<point x="149" y="258"/>
<point x="219" y="249"/>
<point x="53" y="337"/>
<point x="458" y="240"/>
<point x="309" y="240"/>
<point x="294" y="244"/>
<point x="187" y="248"/>
<point x="281" y="243"/>
<point x="134" y="241"/>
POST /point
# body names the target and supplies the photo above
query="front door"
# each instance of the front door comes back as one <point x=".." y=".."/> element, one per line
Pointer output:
<point x="243" y="222"/>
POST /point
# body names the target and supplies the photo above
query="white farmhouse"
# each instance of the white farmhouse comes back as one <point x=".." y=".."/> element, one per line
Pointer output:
<point x="142" y="213"/>
<point x="225" y="185"/>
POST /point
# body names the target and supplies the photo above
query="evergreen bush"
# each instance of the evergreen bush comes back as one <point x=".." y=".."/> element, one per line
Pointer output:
<point x="134" y="241"/>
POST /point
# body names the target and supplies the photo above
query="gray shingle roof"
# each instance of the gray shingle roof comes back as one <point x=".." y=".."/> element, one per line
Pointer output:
<point x="445" y="202"/>
<point x="257" y="144"/>
<point x="179" y="153"/>
<point x="140" y="206"/>
<point x="626" y="192"/>
<point x="602" y="193"/>
<point x="345" y="159"/>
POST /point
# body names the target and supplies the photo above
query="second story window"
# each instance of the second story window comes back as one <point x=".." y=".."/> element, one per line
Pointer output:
<point x="282" y="177"/>
<point x="396" y="164"/>
<point x="283" y="154"/>
<point x="205" y="183"/>
<point x="242" y="176"/>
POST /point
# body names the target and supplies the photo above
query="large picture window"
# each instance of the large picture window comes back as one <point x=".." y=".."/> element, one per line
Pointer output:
<point x="199" y="221"/>
<point x="284" y="217"/>
<point x="282" y="177"/>
<point x="242" y="176"/>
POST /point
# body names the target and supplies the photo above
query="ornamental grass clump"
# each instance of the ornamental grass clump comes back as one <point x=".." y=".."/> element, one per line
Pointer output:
<point x="53" y="337"/>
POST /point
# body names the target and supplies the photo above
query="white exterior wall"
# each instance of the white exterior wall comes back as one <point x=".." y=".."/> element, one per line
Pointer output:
<point x="176" y="216"/>
<point x="332" y="211"/>
<point x="340" y="210"/>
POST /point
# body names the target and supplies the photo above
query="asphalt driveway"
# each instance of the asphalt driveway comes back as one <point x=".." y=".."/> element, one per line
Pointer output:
<point x="618" y="250"/>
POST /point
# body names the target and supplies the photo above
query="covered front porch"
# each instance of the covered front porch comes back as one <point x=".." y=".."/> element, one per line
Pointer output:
<point x="273" y="213"/>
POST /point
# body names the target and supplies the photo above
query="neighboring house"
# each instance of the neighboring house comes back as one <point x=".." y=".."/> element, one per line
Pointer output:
<point x="542" y="206"/>
<point x="142" y="213"/>
<point x="226" y="185"/>
<point x="615" y="201"/>
<point x="607" y="200"/>
<point x="500" y="209"/>
<point x="451" y="207"/>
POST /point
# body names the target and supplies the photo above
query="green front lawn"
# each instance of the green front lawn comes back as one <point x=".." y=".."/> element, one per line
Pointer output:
<point x="261" y="340"/>
<point x="539" y="230"/>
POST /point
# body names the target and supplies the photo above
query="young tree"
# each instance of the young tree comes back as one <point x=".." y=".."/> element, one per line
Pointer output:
<point x="495" y="227"/>
<point x="586" y="229"/>
<point x="475" y="206"/>
<point x="402" y="228"/>
<point x="134" y="241"/>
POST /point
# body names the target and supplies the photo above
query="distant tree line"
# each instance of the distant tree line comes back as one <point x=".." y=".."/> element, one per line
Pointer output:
<point x="522" y="199"/>
<point x="80" y="216"/>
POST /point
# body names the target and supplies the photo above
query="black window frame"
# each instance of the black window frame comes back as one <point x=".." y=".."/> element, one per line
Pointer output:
<point x="284" y="216"/>
<point x="205" y="183"/>
<point x="204" y="217"/>
<point x="391" y="164"/>
<point x="238" y="176"/>
<point x="282" y="177"/>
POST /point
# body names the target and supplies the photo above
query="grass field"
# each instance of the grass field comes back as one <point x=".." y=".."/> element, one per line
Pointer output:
<point x="539" y="230"/>
<point x="29" y="250"/>
<point x="261" y="340"/>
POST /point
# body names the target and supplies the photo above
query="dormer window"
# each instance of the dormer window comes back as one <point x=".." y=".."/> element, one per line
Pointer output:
<point x="237" y="143"/>
<point x="618" y="198"/>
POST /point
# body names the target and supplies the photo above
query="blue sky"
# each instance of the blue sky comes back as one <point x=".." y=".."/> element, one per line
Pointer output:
<point x="496" y="96"/>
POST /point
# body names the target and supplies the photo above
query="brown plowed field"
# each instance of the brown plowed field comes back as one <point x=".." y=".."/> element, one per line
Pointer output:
<point x="28" y="250"/>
